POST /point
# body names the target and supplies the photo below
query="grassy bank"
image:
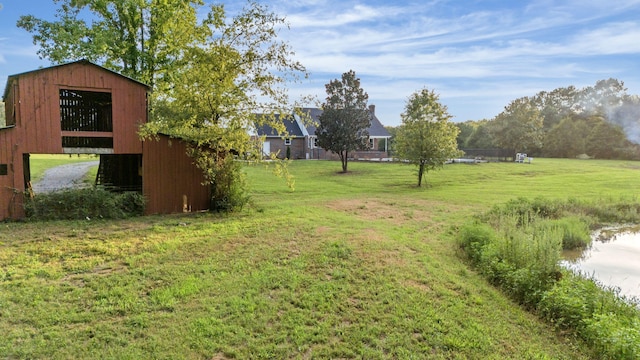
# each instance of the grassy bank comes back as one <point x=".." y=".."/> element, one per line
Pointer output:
<point x="518" y="248"/>
<point x="357" y="265"/>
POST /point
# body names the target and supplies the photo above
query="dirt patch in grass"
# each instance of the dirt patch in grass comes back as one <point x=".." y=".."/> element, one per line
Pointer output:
<point x="103" y="270"/>
<point x="420" y="285"/>
<point x="381" y="210"/>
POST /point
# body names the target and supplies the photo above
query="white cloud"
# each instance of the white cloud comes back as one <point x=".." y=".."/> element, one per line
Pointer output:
<point x="616" y="38"/>
<point x="336" y="14"/>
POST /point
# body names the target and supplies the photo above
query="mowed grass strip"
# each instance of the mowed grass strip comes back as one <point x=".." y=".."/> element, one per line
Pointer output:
<point x="357" y="265"/>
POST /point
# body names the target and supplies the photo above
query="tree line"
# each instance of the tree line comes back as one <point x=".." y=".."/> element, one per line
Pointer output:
<point x="600" y="121"/>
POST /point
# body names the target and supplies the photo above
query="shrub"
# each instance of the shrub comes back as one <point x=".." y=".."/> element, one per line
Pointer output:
<point x="229" y="188"/>
<point x="84" y="203"/>
<point x="570" y="302"/>
<point x="131" y="203"/>
<point x="527" y="246"/>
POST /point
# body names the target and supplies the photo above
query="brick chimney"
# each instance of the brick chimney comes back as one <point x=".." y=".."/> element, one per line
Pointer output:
<point x="372" y="109"/>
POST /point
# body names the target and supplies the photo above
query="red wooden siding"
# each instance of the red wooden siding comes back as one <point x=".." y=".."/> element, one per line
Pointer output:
<point x="38" y="115"/>
<point x="12" y="184"/>
<point x="168" y="174"/>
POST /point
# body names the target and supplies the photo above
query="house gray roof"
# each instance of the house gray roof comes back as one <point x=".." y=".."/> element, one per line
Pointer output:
<point x="292" y="126"/>
<point x="375" y="130"/>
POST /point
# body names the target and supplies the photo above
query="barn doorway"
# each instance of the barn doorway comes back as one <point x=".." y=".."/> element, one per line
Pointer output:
<point x="44" y="173"/>
<point x="120" y="172"/>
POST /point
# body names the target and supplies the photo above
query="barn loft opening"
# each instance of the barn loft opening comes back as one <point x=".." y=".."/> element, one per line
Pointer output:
<point x="86" y="121"/>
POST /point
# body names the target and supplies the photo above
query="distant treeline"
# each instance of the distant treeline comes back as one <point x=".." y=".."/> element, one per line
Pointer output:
<point x="600" y="121"/>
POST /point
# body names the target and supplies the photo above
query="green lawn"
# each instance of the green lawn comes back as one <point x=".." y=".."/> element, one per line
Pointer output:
<point x="359" y="265"/>
<point x="39" y="163"/>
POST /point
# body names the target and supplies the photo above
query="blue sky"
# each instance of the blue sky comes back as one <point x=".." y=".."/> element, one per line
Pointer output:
<point x="478" y="55"/>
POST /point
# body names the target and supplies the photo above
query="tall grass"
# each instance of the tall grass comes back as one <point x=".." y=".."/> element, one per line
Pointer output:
<point x="522" y="259"/>
<point x="518" y="248"/>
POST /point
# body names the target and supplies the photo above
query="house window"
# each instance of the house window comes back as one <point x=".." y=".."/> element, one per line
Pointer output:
<point x="287" y="141"/>
<point x="371" y="144"/>
<point x="4" y="169"/>
<point x="313" y="142"/>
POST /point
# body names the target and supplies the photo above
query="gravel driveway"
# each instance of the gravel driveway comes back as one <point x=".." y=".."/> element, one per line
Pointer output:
<point x="64" y="177"/>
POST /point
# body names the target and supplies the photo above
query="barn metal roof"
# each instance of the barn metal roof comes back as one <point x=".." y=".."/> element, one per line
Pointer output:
<point x="82" y="61"/>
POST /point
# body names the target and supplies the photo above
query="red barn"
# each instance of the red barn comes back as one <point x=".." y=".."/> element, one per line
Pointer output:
<point x="83" y="108"/>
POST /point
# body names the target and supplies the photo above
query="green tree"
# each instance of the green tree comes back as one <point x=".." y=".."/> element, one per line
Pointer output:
<point x="209" y="76"/>
<point x="570" y="115"/>
<point x="426" y="138"/>
<point x="568" y="138"/>
<point x="137" y="38"/>
<point x="391" y="145"/>
<point x="519" y="127"/>
<point x="466" y="129"/>
<point x="481" y="137"/>
<point x="217" y="90"/>
<point x="557" y="105"/>
<point x="345" y="119"/>
<point x="603" y="97"/>
<point x="587" y="134"/>
<point x="606" y="141"/>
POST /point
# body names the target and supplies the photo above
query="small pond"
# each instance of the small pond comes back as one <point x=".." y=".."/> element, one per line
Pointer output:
<point x="613" y="259"/>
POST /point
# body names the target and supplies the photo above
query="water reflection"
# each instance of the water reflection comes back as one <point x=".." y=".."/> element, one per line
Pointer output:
<point x="613" y="259"/>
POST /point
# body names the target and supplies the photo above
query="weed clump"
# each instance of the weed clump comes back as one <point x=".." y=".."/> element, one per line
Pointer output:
<point x="573" y="230"/>
<point x="78" y="204"/>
